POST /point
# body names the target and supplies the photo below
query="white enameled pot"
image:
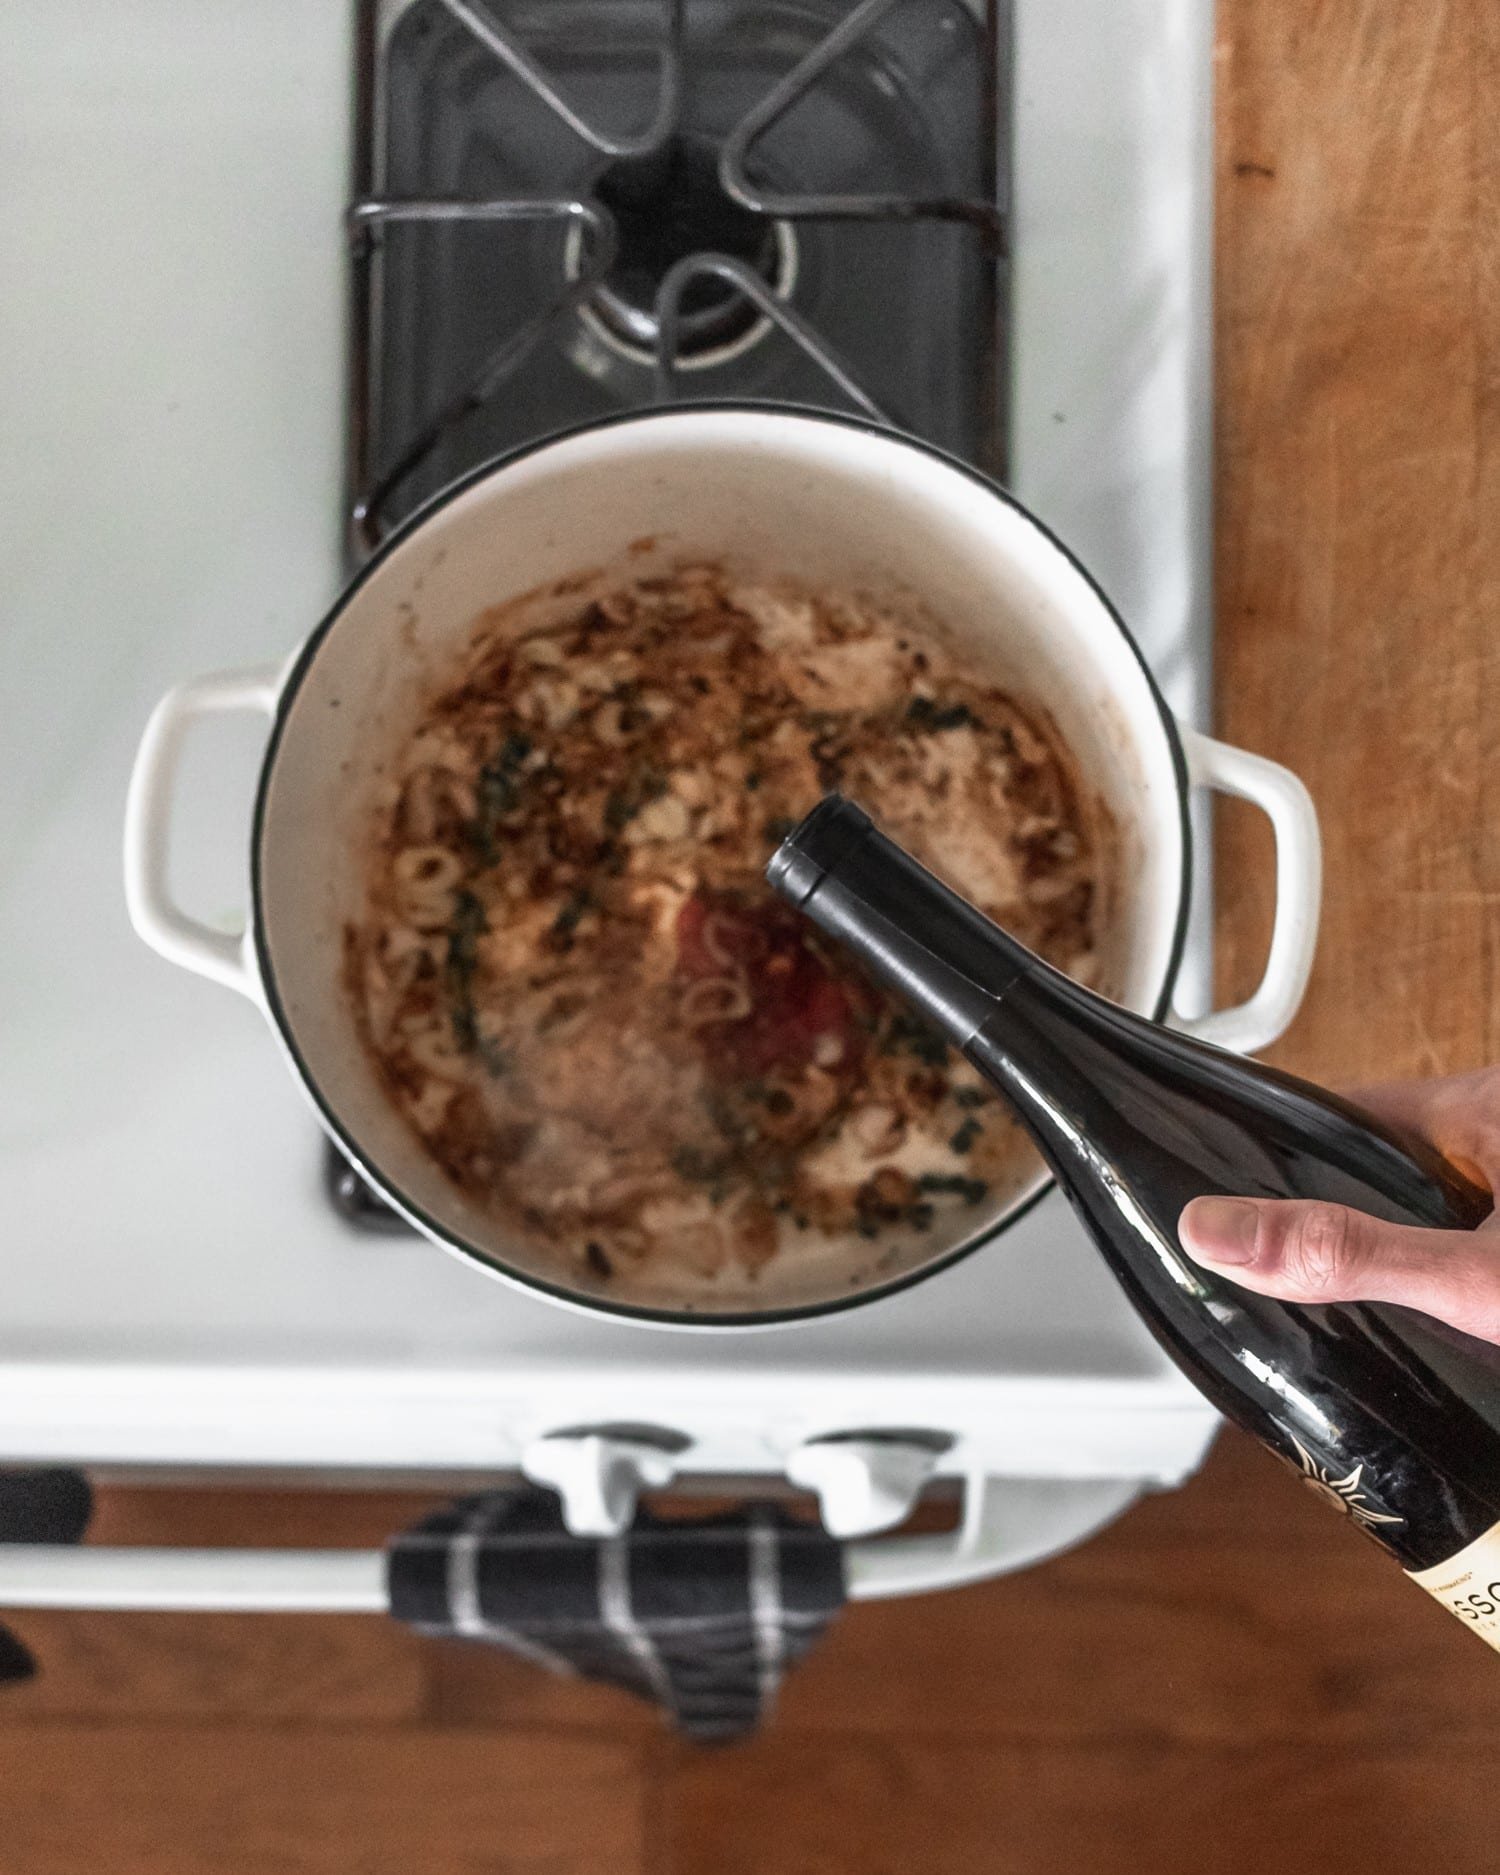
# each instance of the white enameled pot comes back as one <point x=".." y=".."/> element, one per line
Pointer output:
<point x="769" y="492"/>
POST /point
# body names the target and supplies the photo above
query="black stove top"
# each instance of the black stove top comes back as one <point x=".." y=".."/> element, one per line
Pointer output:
<point x="567" y="208"/>
<point x="816" y="186"/>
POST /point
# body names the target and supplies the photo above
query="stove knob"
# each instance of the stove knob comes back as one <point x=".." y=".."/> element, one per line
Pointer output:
<point x="865" y="1483"/>
<point x="599" y="1473"/>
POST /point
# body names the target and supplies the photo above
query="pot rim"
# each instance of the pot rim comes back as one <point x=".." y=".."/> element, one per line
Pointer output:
<point x="301" y="664"/>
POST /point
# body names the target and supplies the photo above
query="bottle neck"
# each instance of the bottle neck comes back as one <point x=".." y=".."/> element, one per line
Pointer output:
<point x="905" y="926"/>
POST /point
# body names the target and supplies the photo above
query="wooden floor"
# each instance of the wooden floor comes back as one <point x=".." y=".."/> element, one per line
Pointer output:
<point x="1229" y="1682"/>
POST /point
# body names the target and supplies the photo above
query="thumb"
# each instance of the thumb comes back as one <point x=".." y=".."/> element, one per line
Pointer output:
<point x="1316" y="1252"/>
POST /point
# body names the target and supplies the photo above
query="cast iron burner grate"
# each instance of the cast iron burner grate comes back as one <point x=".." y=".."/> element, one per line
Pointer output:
<point x="567" y="208"/>
<point x="666" y="207"/>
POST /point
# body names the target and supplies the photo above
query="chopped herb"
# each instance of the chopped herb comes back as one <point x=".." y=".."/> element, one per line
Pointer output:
<point x="971" y="1097"/>
<point x="619" y="810"/>
<point x="566" y="921"/>
<point x="497" y="793"/>
<point x="752" y="782"/>
<point x="971" y="1190"/>
<point x="919" y="1215"/>
<point x="924" y="713"/>
<point x="964" y="1138"/>
<point x="597" y="1261"/>
<point x="909" y="1035"/>
<point x="464" y="932"/>
<point x="467" y="927"/>
<point x="884" y="1198"/>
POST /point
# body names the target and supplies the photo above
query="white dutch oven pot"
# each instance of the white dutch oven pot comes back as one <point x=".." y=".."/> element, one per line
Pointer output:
<point x="832" y="501"/>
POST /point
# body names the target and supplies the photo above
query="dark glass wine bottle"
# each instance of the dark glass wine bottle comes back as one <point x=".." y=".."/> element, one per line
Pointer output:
<point x="1389" y="1415"/>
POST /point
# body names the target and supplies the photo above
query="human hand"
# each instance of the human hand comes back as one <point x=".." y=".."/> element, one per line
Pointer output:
<point x="1306" y="1251"/>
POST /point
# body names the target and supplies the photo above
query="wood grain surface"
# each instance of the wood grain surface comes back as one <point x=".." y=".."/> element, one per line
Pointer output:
<point x="1358" y="506"/>
<point x="1230" y="1681"/>
<point x="176" y="1799"/>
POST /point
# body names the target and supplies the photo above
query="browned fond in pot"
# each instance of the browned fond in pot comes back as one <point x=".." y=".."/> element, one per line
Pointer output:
<point x="583" y="997"/>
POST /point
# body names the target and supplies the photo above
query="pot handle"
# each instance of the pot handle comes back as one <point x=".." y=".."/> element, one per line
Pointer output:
<point x="1288" y="806"/>
<point x="225" y="957"/>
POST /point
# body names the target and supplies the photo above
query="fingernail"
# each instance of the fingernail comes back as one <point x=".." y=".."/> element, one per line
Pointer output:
<point x="1222" y="1229"/>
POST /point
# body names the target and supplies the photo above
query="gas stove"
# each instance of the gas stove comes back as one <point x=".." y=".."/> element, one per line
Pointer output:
<point x="988" y="227"/>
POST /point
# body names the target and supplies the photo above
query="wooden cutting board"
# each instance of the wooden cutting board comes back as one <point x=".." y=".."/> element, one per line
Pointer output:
<point x="1358" y="506"/>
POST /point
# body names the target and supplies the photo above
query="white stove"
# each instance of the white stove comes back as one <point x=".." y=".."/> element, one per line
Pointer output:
<point x="177" y="1290"/>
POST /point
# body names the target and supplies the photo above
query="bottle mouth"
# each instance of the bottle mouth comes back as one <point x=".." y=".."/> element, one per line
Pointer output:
<point x="816" y="847"/>
<point x="909" y="930"/>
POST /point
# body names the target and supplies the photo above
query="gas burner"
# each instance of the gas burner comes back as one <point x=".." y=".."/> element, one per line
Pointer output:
<point x="807" y="206"/>
<point x="667" y="207"/>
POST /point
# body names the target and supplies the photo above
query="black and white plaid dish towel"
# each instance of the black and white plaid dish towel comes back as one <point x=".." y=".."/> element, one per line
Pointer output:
<point x="702" y="1616"/>
<point x="52" y="1505"/>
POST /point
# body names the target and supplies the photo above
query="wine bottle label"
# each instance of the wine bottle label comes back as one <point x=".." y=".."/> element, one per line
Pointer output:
<point x="1469" y="1584"/>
